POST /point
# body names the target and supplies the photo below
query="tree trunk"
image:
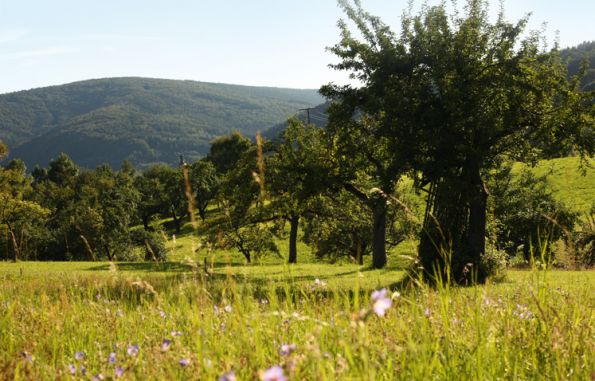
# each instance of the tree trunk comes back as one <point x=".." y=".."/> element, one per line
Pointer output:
<point x="294" y="223"/>
<point x="379" y="234"/>
<point x="15" y="247"/>
<point x="476" y="228"/>
<point x="177" y="221"/>
<point x="453" y="237"/>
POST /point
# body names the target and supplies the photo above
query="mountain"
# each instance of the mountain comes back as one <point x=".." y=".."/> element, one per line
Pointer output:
<point x="142" y="120"/>
<point x="316" y="114"/>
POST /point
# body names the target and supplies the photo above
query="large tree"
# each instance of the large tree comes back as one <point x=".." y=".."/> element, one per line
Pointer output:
<point x="453" y="95"/>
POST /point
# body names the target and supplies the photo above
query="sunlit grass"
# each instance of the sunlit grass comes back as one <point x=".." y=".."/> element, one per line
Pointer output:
<point x="534" y="325"/>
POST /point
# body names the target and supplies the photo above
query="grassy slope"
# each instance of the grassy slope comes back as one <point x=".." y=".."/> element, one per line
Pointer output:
<point x="568" y="183"/>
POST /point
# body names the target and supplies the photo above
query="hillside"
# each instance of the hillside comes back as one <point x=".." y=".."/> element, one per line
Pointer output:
<point x="574" y="57"/>
<point x="138" y="119"/>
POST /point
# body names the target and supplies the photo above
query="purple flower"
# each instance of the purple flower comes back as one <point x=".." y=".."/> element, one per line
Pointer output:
<point x="132" y="350"/>
<point x="287" y="349"/>
<point x="79" y="355"/>
<point x="184" y="362"/>
<point x="27" y="357"/>
<point x="229" y="376"/>
<point x="428" y="312"/>
<point x="98" y="377"/>
<point x="274" y="373"/>
<point x="111" y="358"/>
<point x="162" y="314"/>
<point x="118" y="371"/>
<point x="176" y="333"/>
<point x="381" y="302"/>
<point x="165" y="345"/>
<point x="523" y="312"/>
<point x="83" y="370"/>
<point x="72" y="369"/>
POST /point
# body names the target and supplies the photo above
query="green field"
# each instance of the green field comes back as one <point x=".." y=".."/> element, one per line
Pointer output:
<point x="533" y="325"/>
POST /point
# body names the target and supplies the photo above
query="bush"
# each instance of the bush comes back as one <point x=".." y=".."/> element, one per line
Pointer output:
<point x="152" y="243"/>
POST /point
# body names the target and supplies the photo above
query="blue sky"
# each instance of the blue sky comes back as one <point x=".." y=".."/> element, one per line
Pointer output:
<point x="259" y="42"/>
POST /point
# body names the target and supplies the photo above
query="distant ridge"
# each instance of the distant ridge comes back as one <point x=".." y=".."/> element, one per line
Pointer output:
<point x="143" y="120"/>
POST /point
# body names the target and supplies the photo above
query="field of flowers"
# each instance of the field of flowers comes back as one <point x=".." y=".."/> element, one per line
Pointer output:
<point x="126" y="321"/>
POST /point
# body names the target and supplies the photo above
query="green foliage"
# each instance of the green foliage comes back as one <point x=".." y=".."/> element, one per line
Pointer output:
<point x="204" y="183"/>
<point x="90" y="212"/>
<point x="525" y="212"/>
<point x="152" y="243"/>
<point x="578" y="56"/>
<point x="451" y="95"/>
<point x="140" y="119"/>
<point x="226" y="151"/>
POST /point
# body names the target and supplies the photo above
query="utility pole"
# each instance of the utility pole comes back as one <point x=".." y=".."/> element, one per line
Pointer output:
<point x="307" y="111"/>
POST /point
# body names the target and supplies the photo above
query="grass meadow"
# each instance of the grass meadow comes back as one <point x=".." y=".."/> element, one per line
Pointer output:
<point x="92" y="320"/>
<point x="309" y="321"/>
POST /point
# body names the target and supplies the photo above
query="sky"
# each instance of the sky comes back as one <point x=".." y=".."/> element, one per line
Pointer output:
<point x="278" y="43"/>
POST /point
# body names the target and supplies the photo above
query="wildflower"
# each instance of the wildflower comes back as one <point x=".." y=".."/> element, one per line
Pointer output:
<point x="523" y="312"/>
<point x="176" y="333"/>
<point x="184" y="362"/>
<point x="216" y="309"/>
<point x="222" y="327"/>
<point x="165" y="345"/>
<point x="428" y="312"/>
<point x="118" y="371"/>
<point x="162" y="314"/>
<point x="319" y="282"/>
<point x="132" y="350"/>
<point x="227" y="308"/>
<point x="287" y="349"/>
<point x="381" y="302"/>
<point x="83" y="370"/>
<point x="111" y="359"/>
<point x="79" y="356"/>
<point x="98" y="377"/>
<point x="229" y="376"/>
<point x="263" y="302"/>
<point x="27" y="357"/>
<point x="274" y="373"/>
<point x="72" y="369"/>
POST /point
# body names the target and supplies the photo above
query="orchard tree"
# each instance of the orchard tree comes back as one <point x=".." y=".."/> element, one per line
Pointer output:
<point x="453" y="95"/>
<point x="204" y="182"/>
<point x="297" y="171"/>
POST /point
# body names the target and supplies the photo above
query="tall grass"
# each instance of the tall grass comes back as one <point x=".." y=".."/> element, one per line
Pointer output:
<point x="537" y="325"/>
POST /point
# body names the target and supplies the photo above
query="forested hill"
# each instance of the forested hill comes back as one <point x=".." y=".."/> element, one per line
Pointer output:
<point x="139" y="119"/>
<point x="574" y="58"/>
